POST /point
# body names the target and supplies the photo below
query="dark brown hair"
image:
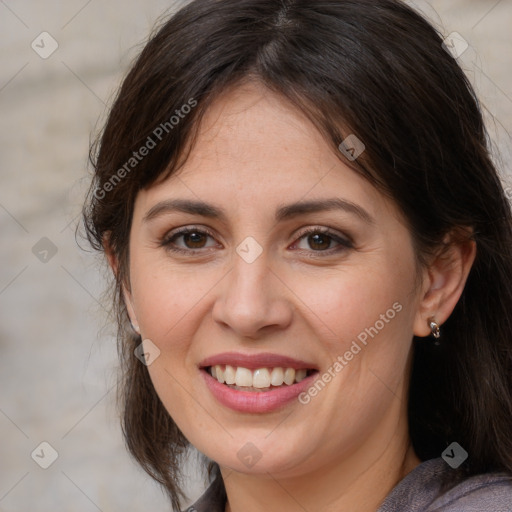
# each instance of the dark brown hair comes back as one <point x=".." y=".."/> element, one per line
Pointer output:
<point x="373" y="68"/>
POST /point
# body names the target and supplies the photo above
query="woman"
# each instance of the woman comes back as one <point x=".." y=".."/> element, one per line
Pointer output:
<point x="313" y="250"/>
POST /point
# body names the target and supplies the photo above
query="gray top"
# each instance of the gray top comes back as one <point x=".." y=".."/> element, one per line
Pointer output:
<point x="419" y="491"/>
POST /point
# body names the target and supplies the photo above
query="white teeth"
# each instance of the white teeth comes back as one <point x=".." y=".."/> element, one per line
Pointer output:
<point x="243" y="377"/>
<point x="229" y="375"/>
<point x="289" y="376"/>
<point x="277" y="377"/>
<point x="300" y="375"/>
<point x="261" y="378"/>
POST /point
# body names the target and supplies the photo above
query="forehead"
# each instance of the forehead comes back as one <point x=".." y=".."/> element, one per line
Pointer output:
<point x="254" y="127"/>
<point x="254" y="148"/>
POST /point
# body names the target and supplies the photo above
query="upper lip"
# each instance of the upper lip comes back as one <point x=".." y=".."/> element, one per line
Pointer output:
<point x="255" y="361"/>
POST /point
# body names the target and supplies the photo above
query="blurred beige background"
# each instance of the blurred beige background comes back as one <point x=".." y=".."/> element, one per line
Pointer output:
<point x="57" y="352"/>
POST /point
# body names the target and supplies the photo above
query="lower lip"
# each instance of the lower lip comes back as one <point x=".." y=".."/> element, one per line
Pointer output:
<point x="256" y="401"/>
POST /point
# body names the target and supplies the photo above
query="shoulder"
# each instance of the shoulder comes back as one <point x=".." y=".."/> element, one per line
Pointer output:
<point x="491" y="492"/>
<point x="421" y="491"/>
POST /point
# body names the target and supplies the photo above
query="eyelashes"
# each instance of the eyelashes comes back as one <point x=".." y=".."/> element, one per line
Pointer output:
<point x="317" y="236"/>
<point x="191" y="235"/>
<point x="317" y="241"/>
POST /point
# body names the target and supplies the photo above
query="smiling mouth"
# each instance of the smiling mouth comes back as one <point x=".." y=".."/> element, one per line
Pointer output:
<point x="258" y="380"/>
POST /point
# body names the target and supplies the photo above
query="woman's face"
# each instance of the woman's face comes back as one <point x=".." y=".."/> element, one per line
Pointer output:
<point x="265" y="253"/>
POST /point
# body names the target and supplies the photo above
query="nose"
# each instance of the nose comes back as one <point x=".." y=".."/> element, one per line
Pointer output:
<point x="252" y="300"/>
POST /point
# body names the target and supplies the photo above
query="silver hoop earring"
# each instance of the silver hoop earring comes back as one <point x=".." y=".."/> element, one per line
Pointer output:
<point x="434" y="328"/>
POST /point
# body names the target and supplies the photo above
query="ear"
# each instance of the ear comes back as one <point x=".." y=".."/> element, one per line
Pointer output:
<point x="443" y="282"/>
<point x="127" y="296"/>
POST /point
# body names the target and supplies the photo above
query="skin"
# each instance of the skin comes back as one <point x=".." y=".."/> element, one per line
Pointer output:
<point x="303" y="297"/>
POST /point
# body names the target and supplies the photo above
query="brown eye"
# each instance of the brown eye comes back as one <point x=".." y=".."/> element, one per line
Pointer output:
<point x="189" y="240"/>
<point x="322" y="240"/>
<point x="194" y="240"/>
<point x="319" y="241"/>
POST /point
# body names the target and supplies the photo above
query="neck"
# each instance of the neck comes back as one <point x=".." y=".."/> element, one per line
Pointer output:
<point x="359" y="482"/>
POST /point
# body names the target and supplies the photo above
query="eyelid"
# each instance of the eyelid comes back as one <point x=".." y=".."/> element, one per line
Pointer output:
<point x="187" y="229"/>
<point x="166" y="240"/>
<point x="343" y="239"/>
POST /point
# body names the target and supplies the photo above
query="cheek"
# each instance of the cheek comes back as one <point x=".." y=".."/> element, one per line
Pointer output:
<point x="165" y="297"/>
<point x="170" y="308"/>
<point x="356" y="304"/>
<point x="364" y="321"/>
<point x="363" y="318"/>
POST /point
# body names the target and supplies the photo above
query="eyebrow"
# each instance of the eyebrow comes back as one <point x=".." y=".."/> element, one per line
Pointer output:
<point x="302" y="207"/>
<point x="185" y="206"/>
<point x="284" y="212"/>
